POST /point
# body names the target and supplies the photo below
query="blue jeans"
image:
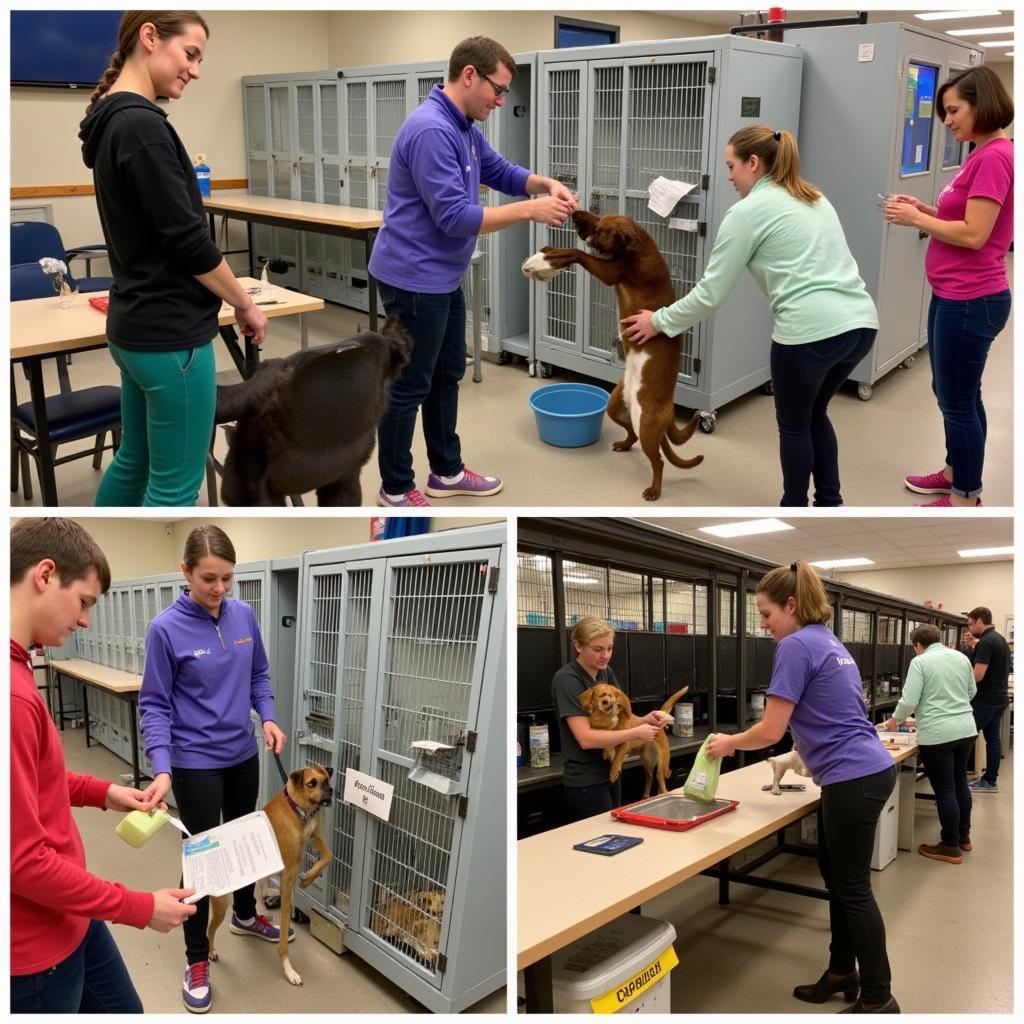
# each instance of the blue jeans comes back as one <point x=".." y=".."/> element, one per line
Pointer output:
<point x="168" y="400"/>
<point x="946" y="765"/>
<point x="847" y="818"/>
<point x="586" y="801"/>
<point x="430" y="381"/>
<point x="805" y="379"/>
<point x="93" y="979"/>
<point x="960" y="333"/>
<point x="988" y="719"/>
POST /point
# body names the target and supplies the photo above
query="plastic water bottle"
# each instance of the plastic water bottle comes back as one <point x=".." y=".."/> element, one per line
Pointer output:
<point x="202" y="169"/>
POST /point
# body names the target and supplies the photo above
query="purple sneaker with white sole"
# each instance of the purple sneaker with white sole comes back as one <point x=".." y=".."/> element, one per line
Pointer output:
<point x="471" y="484"/>
<point x="196" y="993"/>
<point x="262" y="927"/>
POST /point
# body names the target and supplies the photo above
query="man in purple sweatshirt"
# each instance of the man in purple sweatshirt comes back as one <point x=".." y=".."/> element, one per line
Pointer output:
<point x="432" y="217"/>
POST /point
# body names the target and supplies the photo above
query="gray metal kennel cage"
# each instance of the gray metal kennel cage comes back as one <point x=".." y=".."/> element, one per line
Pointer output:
<point x="610" y="119"/>
<point x="402" y="677"/>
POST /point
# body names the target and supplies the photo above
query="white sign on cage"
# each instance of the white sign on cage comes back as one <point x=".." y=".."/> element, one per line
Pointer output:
<point x="370" y="794"/>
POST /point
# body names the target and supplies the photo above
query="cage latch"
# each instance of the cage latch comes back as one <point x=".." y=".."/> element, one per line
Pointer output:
<point x="463" y="806"/>
<point x="492" y="579"/>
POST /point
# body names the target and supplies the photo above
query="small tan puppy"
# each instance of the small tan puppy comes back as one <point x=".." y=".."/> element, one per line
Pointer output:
<point x="295" y="817"/>
<point x="784" y="763"/>
<point x="607" y="707"/>
<point x="413" y="920"/>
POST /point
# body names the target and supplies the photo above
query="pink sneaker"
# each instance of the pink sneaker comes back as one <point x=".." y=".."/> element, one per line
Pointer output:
<point x="933" y="483"/>
<point x="411" y="498"/>
<point x="945" y="502"/>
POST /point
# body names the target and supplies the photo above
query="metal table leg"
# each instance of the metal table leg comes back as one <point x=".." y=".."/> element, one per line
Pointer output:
<point x="132" y="721"/>
<point x="371" y="290"/>
<point x="478" y="306"/>
<point x="85" y="710"/>
<point x="539" y="995"/>
<point x="47" y="479"/>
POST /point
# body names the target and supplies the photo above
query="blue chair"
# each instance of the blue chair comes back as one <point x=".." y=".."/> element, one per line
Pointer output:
<point x="31" y="240"/>
<point x="71" y="415"/>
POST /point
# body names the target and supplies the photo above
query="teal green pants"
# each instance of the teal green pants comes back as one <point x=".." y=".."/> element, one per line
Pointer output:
<point x="168" y="401"/>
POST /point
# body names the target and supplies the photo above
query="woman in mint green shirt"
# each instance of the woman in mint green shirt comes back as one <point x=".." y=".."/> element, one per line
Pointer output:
<point x="787" y="234"/>
<point x="939" y="687"/>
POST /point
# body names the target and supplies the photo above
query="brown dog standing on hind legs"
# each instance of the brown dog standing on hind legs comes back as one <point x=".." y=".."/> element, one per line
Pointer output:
<point x="643" y="401"/>
<point x="296" y="820"/>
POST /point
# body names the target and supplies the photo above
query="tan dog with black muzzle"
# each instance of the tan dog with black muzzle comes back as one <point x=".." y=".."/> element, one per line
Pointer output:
<point x="296" y="820"/>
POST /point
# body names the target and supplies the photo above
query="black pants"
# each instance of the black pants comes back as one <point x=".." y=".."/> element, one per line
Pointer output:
<point x="847" y="817"/>
<point x="205" y="797"/>
<point x="586" y="801"/>
<point x="946" y="765"/>
<point x="806" y="377"/>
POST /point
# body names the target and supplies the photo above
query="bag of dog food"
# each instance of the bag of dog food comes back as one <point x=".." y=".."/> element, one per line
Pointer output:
<point x="702" y="782"/>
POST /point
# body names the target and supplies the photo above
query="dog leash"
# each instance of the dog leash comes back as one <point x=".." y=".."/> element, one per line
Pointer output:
<point x="280" y="767"/>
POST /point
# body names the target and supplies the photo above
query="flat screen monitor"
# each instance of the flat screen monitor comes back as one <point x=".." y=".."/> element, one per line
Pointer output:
<point x="917" y="118"/>
<point x="62" y="49"/>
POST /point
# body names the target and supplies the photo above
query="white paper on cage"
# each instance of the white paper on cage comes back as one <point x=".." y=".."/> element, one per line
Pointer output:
<point x="373" y="795"/>
<point x="664" y="193"/>
<point x="230" y="856"/>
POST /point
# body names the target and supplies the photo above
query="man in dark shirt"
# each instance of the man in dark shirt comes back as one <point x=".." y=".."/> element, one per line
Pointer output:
<point x="991" y="672"/>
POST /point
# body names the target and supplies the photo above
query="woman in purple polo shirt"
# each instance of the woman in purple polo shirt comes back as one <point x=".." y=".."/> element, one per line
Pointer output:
<point x="205" y="670"/>
<point x="815" y="691"/>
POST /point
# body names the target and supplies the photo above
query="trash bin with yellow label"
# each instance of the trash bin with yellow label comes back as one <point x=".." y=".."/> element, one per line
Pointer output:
<point x="622" y="967"/>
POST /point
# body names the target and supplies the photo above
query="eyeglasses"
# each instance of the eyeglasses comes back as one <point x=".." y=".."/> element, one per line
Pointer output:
<point x="499" y="90"/>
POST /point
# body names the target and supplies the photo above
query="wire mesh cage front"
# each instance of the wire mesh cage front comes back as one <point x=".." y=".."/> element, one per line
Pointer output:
<point x="535" y="590"/>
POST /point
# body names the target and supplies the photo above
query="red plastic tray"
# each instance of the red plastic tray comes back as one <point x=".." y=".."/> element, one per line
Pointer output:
<point x="632" y="813"/>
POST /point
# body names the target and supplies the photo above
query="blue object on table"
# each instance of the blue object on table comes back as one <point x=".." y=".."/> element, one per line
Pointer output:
<point x="569" y="415"/>
<point x="405" y="526"/>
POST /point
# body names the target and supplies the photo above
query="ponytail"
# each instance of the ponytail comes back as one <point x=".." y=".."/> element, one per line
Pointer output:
<point x="166" y="23"/>
<point x="800" y="582"/>
<point x="780" y="157"/>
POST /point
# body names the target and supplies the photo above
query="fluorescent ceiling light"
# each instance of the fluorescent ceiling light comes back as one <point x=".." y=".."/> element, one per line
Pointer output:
<point x="1009" y="53"/>
<point x="978" y="31"/>
<point x="746" y="529"/>
<point x="982" y="552"/>
<point x="842" y="563"/>
<point x="585" y="580"/>
<point x="1001" y="42"/>
<point x="953" y="15"/>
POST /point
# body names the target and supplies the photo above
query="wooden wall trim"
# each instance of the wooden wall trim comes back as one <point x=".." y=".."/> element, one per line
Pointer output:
<point x="54" y="191"/>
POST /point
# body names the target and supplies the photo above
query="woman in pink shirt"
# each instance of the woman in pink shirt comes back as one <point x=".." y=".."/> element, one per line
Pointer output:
<point x="971" y="227"/>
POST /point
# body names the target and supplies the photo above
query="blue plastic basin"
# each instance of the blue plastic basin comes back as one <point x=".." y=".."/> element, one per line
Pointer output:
<point x="569" y="415"/>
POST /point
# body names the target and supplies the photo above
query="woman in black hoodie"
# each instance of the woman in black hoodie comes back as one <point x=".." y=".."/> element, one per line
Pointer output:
<point x="169" y="276"/>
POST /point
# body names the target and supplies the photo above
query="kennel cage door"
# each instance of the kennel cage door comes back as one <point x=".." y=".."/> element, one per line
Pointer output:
<point x="433" y="644"/>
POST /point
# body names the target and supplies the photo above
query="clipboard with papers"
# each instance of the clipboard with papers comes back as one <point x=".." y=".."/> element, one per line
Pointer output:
<point x="227" y="857"/>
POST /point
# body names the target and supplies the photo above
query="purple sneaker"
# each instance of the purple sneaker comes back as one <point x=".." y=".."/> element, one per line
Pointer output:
<point x="412" y="499"/>
<point x="262" y="927"/>
<point x="472" y="484"/>
<point x="196" y="993"/>
<point x="933" y="483"/>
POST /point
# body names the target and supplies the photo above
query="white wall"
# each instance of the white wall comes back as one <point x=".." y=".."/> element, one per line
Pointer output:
<point x="959" y="588"/>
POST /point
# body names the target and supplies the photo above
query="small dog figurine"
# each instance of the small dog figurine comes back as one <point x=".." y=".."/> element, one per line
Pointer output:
<point x="296" y="819"/>
<point x="784" y="763"/>
<point x="607" y="707"/>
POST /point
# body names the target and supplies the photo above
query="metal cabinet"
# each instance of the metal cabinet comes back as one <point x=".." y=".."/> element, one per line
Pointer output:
<point x="401" y="676"/>
<point x="610" y="120"/>
<point x="867" y="127"/>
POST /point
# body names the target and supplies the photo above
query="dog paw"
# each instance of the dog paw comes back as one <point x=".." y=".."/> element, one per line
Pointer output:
<point x="214" y="955"/>
<point x="304" y="880"/>
<point x="614" y="774"/>
<point x="538" y="268"/>
<point x="622" y="446"/>
<point x="652" y="494"/>
<point x="293" y="976"/>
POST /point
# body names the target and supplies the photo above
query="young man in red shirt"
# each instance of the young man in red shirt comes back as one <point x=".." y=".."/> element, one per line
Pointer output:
<point x="63" y="957"/>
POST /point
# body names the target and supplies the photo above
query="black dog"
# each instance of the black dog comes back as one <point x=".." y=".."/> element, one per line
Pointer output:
<point x="309" y="422"/>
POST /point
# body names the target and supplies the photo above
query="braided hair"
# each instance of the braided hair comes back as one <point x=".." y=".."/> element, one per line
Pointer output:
<point x="167" y="25"/>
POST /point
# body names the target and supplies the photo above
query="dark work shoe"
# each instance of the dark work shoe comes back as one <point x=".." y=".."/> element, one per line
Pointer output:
<point x="950" y="854"/>
<point x="825" y="986"/>
<point x="966" y="845"/>
<point x="890" y="1007"/>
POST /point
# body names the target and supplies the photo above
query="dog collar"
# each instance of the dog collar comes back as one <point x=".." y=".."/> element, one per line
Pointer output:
<point x="303" y="815"/>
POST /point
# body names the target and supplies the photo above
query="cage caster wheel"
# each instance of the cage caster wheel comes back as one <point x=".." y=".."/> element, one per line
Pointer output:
<point x="768" y="388"/>
<point x="708" y="421"/>
<point x="545" y="370"/>
<point x="908" y="362"/>
<point x="504" y="358"/>
<point x="864" y="392"/>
